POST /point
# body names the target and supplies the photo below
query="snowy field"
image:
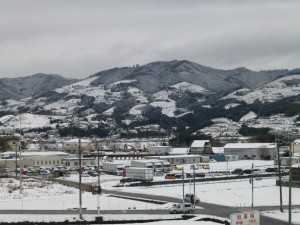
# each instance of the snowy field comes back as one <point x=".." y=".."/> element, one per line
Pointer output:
<point x="166" y="219"/>
<point x="56" y="196"/>
<point x="234" y="193"/>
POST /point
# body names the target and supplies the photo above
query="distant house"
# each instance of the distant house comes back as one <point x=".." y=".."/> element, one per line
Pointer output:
<point x="74" y="162"/>
<point x="179" y="159"/>
<point x="201" y="147"/>
<point x="72" y="146"/>
<point x="258" y="151"/>
<point x="31" y="159"/>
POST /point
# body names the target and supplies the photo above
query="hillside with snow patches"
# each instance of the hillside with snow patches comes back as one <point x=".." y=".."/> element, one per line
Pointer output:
<point x="275" y="90"/>
<point x="174" y="87"/>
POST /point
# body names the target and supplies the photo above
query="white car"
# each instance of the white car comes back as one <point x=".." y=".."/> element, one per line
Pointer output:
<point x="188" y="198"/>
<point x="180" y="208"/>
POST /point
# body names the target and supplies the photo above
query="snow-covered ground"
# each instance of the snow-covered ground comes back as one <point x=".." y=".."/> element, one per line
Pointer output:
<point x="228" y="193"/>
<point x="166" y="219"/>
<point x="55" y="196"/>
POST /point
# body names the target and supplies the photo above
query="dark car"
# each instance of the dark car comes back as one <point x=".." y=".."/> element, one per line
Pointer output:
<point x="127" y="179"/>
<point x="92" y="173"/>
<point x="200" y="174"/>
<point x="271" y="170"/>
<point x="238" y="172"/>
<point x="178" y="176"/>
<point x="247" y="171"/>
<point x="190" y="175"/>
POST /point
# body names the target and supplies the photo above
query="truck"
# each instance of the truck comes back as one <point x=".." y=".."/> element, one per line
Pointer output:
<point x="115" y="168"/>
<point x="156" y="165"/>
<point x="142" y="164"/>
<point x="139" y="174"/>
<point x="166" y="166"/>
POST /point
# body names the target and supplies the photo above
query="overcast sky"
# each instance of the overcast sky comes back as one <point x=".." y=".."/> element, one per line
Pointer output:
<point x="76" y="38"/>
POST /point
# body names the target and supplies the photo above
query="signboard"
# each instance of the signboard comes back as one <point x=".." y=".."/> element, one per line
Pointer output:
<point x="245" y="218"/>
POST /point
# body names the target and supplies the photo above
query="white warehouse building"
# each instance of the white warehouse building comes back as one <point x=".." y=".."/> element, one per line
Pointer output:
<point x="258" y="151"/>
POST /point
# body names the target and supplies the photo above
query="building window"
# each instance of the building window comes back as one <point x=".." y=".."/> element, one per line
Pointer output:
<point x="42" y="162"/>
<point x="57" y="162"/>
<point x="75" y="163"/>
<point x="46" y="162"/>
<point x="37" y="162"/>
<point x="245" y="156"/>
<point x="253" y="156"/>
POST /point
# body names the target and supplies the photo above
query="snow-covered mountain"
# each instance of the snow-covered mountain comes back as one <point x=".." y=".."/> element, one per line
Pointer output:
<point x="173" y="93"/>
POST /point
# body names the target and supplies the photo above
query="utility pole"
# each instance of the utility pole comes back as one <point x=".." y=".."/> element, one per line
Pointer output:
<point x="98" y="194"/>
<point x="80" y="171"/>
<point x="183" y="190"/>
<point x="279" y="175"/>
<point x="252" y="182"/>
<point x="290" y="185"/>
<point x="194" y="185"/>
<point x="21" y="191"/>
<point x="16" y="159"/>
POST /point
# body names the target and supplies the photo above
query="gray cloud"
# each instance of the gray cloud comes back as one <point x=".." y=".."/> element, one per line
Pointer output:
<point x="78" y="38"/>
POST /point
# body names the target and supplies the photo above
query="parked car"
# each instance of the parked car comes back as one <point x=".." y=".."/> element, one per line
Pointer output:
<point x="180" y="208"/>
<point x="200" y="174"/>
<point x="45" y="172"/>
<point x="179" y="176"/>
<point x="271" y="170"/>
<point x="257" y="171"/>
<point x="127" y="179"/>
<point x="85" y="174"/>
<point x="170" y="176"/>
<point x="190" y="175"/>
<point x="238" y="172"/>
<point x="92" y="173"/>
<point x="191" y="198"/>
<point x="247" y="171"/>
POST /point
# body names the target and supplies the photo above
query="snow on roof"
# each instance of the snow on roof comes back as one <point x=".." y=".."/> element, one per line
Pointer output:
<point x="76" y="140"/>
<point x="198" y="143"/>
<point x="297" y="165"/>
<point x="75" y="159"/>
<point x="218" y="150"/>
<point x="250" y="145"/>
<point x="52" y="153"/>
<point x="297" y="141"/>
<point x="177" y="156"/>
<point x="179" y="151"/>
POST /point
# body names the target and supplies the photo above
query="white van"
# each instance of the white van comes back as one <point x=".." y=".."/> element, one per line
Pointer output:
<point x="180" y="208"/>
<point x="188" y="198"/>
